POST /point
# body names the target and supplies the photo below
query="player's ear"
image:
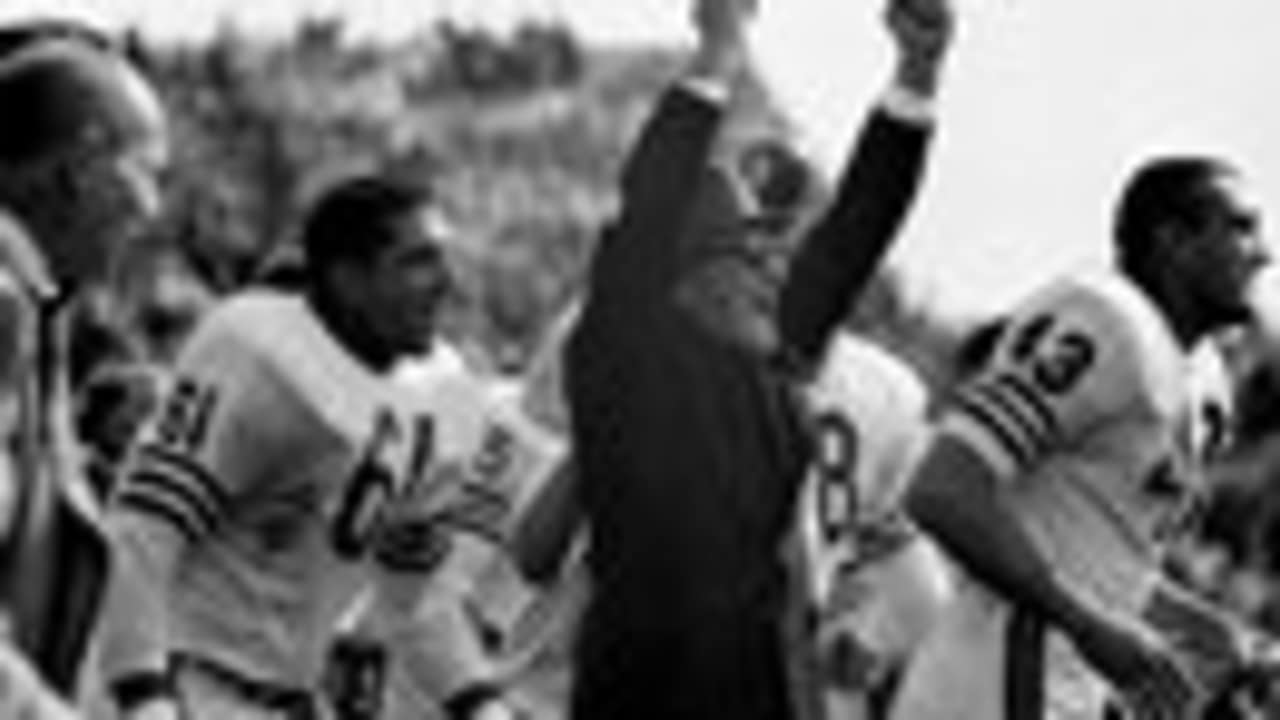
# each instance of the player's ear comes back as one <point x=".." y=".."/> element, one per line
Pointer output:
<point x="66" y="183"/>
<point x="1170" y="244"/>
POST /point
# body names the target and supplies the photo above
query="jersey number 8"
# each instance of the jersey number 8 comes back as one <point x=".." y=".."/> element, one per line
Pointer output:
<point x="835" y="459"/>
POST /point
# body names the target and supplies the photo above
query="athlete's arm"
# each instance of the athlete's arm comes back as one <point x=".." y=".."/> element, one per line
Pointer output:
<point x="216" y="432"/>
<point x="840" y="253"/>
<point x="955" y="498"/>
<point x="134" y="616"/>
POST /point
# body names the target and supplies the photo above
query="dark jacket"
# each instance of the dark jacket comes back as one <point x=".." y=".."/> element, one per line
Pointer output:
<point x="691" y="450"/>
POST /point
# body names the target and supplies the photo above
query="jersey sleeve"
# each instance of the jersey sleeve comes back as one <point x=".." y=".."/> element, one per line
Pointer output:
<point x="215" y="434"/>
<point x="213" y="437"/>
<point x="1065" y="364"/>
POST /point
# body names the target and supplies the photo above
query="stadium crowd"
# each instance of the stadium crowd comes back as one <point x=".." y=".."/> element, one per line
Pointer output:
<point x="704" y="496"/>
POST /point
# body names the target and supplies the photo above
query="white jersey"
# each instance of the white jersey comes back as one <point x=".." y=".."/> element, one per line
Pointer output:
<point x="298" y="477"/>
<point x="868" y="573"/>
<point x="496" y="597"/>
<point x="1098" y="421"/>
<point x="869" y="410"/>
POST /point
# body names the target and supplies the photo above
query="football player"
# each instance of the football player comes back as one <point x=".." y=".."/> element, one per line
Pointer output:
<point x="873" y="584"/>
<point x="518" y="454"/>
<point x="287" y="474"/>
<point x="1057" y="476"/>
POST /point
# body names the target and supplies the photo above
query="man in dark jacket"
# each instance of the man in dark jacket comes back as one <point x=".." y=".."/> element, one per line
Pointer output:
<point x="697" y="330"/>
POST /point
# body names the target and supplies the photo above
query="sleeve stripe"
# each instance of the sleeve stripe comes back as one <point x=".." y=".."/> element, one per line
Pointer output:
<point x="162" y="510"/>
<point x="197" y="480"/>
<point x="159" y="488"/>
<point x="1009" y="404"/>
<point x="976" y="408"/>
<point x="1033" y="402"/>
<point x="1012" y="405"/>
<point x="162" y="487"/>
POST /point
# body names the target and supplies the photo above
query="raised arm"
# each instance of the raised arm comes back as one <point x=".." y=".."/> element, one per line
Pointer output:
<point x="637" y="257"/>
<point x="876" y="189"/>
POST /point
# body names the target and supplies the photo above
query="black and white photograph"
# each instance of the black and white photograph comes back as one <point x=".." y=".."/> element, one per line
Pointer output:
<point x="641" y="360"/>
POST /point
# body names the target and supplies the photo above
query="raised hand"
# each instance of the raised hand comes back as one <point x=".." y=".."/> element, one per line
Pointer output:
<point x="922" y="30"/>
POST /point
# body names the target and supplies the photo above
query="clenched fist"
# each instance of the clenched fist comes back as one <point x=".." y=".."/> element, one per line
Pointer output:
<point x="922" y="30"/>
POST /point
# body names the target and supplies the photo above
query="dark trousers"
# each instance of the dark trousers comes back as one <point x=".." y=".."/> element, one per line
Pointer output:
<point x="729" y="665"/>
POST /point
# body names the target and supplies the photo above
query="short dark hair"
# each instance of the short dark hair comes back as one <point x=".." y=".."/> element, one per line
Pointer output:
<point x="356" y="218"/>
<point x="1162" y="190"/>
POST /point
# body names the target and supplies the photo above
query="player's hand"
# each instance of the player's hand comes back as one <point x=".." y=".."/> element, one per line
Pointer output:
<point x="1151" y="680"/>
<point x="1213" y="650"/>
<point x="922" y="31"/>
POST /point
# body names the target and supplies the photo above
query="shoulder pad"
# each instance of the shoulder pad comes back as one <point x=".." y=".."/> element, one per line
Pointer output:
<point x="280" y="336"/>
<point x="860" y="372"/>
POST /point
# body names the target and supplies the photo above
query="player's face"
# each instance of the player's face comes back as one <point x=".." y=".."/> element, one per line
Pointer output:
<point x="1227" y="250"/>
<point x="408" y="283"/>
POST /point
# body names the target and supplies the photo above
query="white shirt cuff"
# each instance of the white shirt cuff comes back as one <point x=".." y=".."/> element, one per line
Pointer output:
<point x="907" y="105"/>
<point x="711" y="90"/>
